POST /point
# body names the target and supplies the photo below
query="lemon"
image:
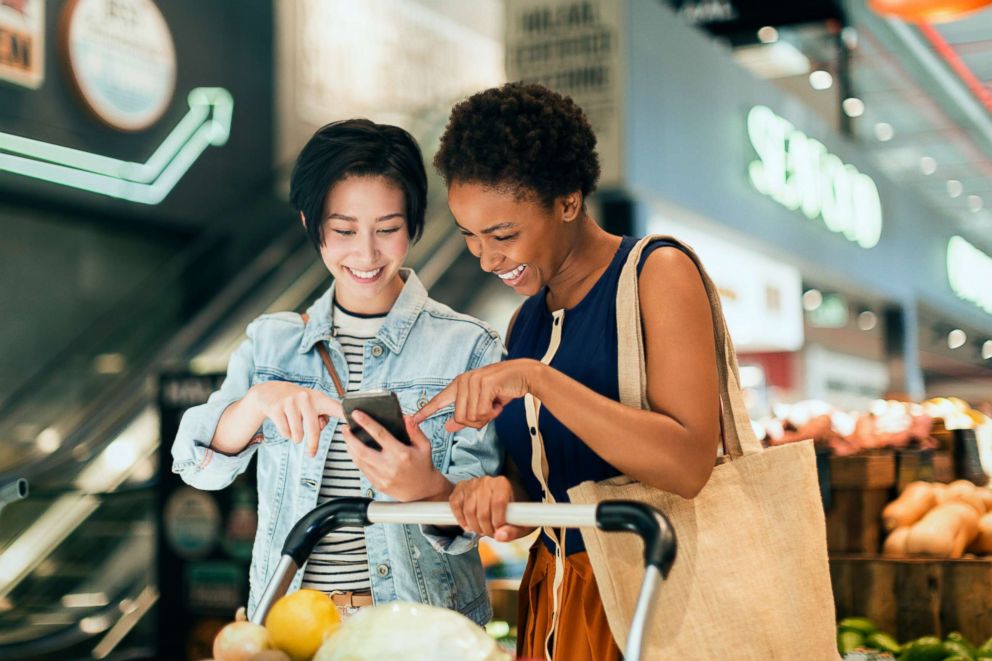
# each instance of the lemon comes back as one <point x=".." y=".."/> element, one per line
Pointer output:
<point x="299" y="622"/>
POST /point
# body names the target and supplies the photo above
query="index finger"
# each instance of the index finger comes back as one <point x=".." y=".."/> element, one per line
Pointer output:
<point x="438" y="402"/>
<point x="327" y="405"/>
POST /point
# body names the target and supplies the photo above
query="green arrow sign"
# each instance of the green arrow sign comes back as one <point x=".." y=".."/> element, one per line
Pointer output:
<point x="208" y="122"/>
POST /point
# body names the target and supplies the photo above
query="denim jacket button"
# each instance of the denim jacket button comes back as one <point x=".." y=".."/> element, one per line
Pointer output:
<point x="382" y="570"/>
<point x="422" y="402"/>
<point x="376" y="350"/>
<point x="369" y="493"/>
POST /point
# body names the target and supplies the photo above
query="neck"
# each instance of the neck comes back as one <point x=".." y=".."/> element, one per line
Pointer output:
<point x="589" y="253"/>
<point x="381" y="303"/>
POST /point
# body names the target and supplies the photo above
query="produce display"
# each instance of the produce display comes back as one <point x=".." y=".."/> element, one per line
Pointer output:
<point x="858" y="639"/>
<point x="886" y="424"/>
<point x="305" y="626"/>
<point x="939" y="520"/>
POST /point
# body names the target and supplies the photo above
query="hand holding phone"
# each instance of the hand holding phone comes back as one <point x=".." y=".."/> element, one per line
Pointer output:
<point x="380" y="405"/>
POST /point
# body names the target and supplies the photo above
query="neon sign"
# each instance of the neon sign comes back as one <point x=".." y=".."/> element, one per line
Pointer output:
<point x="800" y="174"/>
<point x="208" y="123"/>
<point x="969" y="272"/>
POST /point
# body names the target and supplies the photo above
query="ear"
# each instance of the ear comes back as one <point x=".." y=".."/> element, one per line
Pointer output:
<point x="570" y="206"/>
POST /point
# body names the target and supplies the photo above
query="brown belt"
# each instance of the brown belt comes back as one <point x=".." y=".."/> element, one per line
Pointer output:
<point x="351" y="599"/>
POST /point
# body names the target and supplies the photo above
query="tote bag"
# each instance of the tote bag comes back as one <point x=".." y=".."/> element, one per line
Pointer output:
<point x="751" y="578"/>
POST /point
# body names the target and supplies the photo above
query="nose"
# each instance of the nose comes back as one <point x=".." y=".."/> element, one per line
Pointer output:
<point x="489" y="259"/>
<point x="367" y="249"/>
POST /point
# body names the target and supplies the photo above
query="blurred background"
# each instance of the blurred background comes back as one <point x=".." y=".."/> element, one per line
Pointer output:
<point x="830" y="160"/>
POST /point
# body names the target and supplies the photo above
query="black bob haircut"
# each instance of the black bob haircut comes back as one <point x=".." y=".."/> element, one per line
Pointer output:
<point x="357" y="148"/>
<point x="522" y="137"/>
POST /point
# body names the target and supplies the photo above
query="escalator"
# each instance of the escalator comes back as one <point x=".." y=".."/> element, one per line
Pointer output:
<point x="77" y="557"/>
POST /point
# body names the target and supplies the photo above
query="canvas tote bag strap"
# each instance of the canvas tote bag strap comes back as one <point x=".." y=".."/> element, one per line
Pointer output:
<point x="539" y="466"/>
<point x="631" y="369"/>
<point x="325" y="357"/>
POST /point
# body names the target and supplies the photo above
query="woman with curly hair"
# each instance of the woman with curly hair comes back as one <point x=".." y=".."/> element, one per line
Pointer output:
<point x="519" y="162"/>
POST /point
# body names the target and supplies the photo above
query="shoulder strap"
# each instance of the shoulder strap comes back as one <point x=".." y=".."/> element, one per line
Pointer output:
<point x="631" y="370"/>
<point x="326" y="358"/>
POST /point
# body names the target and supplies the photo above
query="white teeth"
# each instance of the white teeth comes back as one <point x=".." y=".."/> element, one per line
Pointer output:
<point x="510" y="275"/>
<point x="365" y="275"/>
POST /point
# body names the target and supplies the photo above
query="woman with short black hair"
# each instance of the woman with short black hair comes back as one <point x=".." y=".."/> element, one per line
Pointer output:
<point x="361" y="191"/>
<point x="520" y="161"/>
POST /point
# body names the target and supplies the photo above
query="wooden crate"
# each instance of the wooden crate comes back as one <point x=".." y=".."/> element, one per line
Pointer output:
<point x="913" y="465"/>
<point x="854" y="522"/>
<point x="916" y="597"/>
<point x="872" y="470"/>
<point x="860" y="488"/>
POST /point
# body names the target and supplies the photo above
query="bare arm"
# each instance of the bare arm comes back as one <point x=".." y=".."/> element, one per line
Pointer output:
<point x="673" y="445"/>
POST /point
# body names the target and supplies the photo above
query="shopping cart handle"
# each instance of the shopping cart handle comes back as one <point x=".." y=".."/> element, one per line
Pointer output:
<point x="309" y="530"/>
<point x="13" y="491"/>
<point x="652" y="526"/>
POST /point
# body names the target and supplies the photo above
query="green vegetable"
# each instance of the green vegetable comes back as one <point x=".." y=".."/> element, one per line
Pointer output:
<point x="957" y="648"/>
<point x="986" y="648"/>
<point x="883" y="642"/>
<point x="849" y="640"/>
<point x="862" y="625"/>
<point x="958" y="637"/>
<point x="928" y="648"/>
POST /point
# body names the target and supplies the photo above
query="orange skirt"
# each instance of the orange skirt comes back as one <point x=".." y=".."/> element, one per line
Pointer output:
<point x="582" y="634"/>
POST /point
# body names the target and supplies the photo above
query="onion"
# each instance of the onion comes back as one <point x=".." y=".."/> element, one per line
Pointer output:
<point x="239" y="641"/>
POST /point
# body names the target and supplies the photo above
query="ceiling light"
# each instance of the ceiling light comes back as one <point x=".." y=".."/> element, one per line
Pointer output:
<point x="928" y="165"/>
<point x="768" y="35"/>
<point x="812" y="299"/>
<point x="975" y="203"/>
<point x="821" y="80"/>
<point x="850" y="37"/>
<point x="49" y="440"/>
<point x="954" y="188"/>
<point x="853" y="106"/>
<point x="956" y="339"/>
<point x="884" y="132"/>
<point x="987" y="350"/>
<point x="867" y="320"/>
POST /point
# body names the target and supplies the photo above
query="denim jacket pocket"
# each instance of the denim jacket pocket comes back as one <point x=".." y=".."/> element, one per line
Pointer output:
<point x="412" y="398"/>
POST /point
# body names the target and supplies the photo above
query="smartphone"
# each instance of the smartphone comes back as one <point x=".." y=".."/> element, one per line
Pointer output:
<point x="380" y="405"/>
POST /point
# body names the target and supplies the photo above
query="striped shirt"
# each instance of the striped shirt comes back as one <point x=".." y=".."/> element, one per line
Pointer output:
<point x="340" y="560"/>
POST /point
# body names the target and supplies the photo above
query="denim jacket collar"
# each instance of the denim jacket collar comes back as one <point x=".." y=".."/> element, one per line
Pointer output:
<point x="395" y="328"/>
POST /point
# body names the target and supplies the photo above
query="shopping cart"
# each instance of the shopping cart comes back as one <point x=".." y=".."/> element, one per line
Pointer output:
<point x="609" y="516"/>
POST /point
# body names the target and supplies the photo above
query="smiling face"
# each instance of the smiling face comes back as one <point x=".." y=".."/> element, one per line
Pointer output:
<point x="520" y="240"/>
<point x="365" y="241"/>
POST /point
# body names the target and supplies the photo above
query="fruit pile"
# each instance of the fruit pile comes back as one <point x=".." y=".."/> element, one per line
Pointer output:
<point x="888" y="424"/>
<point x="294" y="630"/>
<point x="305" y="626"/>
<point x="939" y="520"/>
<point x="859" y="638"/>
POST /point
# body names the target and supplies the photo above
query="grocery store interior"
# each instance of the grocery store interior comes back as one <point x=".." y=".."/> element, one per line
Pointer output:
<point x="830" y="161"/>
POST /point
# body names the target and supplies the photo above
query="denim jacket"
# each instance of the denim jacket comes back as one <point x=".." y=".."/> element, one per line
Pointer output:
<point x="421" y="346"/>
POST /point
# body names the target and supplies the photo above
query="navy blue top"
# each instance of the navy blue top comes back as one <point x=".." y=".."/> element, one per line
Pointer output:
<point x="588" y="354"/>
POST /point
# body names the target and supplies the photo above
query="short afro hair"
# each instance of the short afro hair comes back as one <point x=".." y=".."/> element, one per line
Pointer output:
<point x="357" y="148"/>
<point x="523" y="137"/>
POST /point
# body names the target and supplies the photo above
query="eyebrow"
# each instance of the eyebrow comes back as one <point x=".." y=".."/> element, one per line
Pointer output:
<point x="341" y="216"/>
<point x="492" y="228"/>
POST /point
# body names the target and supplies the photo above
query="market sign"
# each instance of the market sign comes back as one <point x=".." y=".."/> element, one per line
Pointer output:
<point x="800" y="174"/>
<point x="22" y="42"/>
<point x="121" y="59"/>
<point x="969" y="272"/>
